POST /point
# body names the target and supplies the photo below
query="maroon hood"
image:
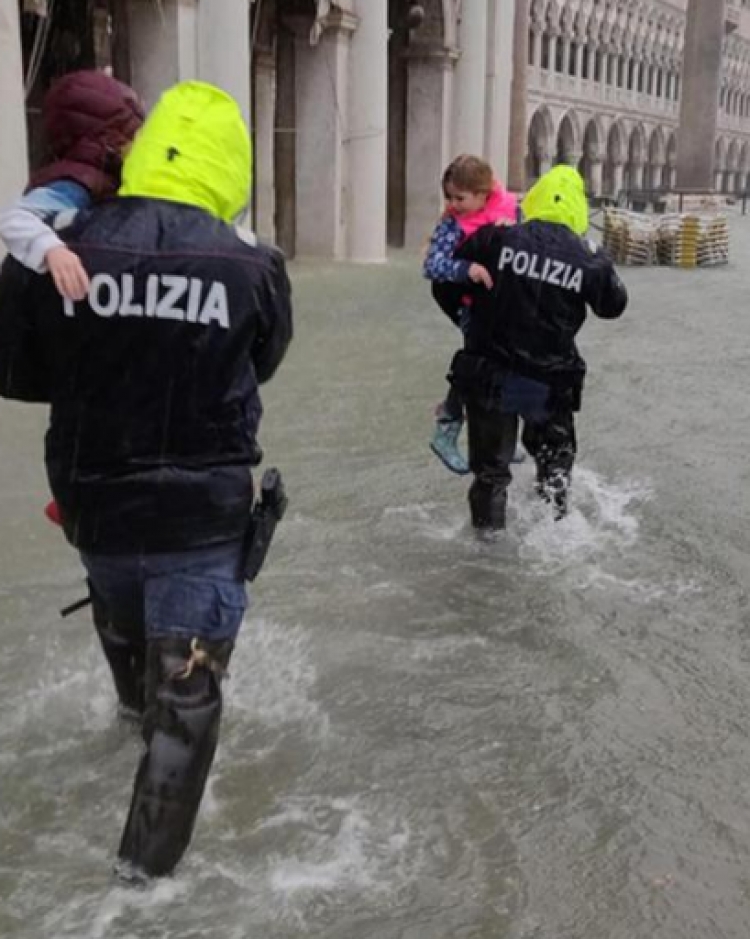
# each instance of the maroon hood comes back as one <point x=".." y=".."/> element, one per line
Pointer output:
<point x="89" y="118"/>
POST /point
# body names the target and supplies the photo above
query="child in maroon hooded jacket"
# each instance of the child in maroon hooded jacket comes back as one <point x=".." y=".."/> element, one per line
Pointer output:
<point x="473" y="198"/>
<point x="90" y="120"/>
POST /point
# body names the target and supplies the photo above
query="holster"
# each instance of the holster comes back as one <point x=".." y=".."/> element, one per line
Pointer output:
<point x="567" y="397"/>
<point x="267" y="512"/>
<point x="476" y="377"/>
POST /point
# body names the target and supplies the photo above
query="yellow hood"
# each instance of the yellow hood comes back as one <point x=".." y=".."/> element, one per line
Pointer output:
<point x="560" y="197"/>
<point x="194" y="148"/>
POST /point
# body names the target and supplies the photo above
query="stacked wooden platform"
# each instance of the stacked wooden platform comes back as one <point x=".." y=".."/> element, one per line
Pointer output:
<point x="694" y="239"/>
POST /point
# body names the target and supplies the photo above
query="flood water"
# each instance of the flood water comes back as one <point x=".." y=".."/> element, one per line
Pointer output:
<point x="428" y="737"/>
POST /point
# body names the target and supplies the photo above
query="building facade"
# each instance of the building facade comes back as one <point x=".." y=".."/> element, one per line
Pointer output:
<point x="604" y="88"/>
<point x="356" y="106"/>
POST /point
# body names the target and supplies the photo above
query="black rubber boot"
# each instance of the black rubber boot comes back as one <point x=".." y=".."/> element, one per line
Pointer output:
<point x="125" y="651"/>
<point x="181" y="730"/>
<point x="487" y="502"/>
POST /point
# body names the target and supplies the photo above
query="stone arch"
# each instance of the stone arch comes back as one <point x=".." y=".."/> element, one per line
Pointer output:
<point x="720" y="154"/>
<point x="733" y="155"/>
<point x="657" y="149"/>
<point x="614" y="159"/>
<point x="669" y="170"/>
<point x="657" y="158"/>
<point x="590" y="165"/>
<point x="540" y="137"/>
<point x="637" y="156"/>
<point x="720" y="164"/>
<point x="733" y="163"/>
<point x="568" y="141"/>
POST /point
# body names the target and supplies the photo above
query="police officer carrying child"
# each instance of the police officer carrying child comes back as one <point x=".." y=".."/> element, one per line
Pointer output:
<point x="520" y="359"/>
<point x="153" y="386"/>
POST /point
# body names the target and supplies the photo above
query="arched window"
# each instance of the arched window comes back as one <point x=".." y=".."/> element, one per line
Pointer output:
<point x="620" y="71"/>
<point x="585" y="63"/>
<point x="631" y="74"/>
<point x="611" y="65"/>
<point x="572" y="58"/>
<point x="532" y="46"/>
<point x="559" y="55"/>
<point x="545" y="51"/>
<point x="598" y="66"/>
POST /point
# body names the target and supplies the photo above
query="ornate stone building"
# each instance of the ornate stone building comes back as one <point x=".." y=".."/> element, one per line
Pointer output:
<point x="604" y="83"/>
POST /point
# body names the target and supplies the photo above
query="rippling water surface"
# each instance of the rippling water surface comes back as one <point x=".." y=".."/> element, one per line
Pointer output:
<point x="428" y="737"/>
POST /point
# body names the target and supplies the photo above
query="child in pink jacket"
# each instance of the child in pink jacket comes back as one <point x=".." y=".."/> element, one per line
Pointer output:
<point x="474" y="198"/>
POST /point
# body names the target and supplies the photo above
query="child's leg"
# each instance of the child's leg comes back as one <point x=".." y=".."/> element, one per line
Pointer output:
<point x="452" y="408"/>
<point x="449" y="419"/>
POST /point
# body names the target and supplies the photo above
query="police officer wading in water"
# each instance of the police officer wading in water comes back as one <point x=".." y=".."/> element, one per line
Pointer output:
<point x="520" y="358"/>
<point x="153" y="386"/>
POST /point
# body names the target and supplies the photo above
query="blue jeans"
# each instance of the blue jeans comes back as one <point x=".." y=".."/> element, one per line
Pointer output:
<point x="198" y="593"/>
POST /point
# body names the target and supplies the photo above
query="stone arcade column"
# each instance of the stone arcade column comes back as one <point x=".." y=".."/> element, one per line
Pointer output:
<point x="14" y="168"/>
<point x="322" y="79"/>
<point x="636" y="175"/>
<point x="618" y="178"/>
<point x="224" y="48"/>
<point x="263" y="144"/>
<point x="499" y="79"/>
<point x="428" y="135"/>
<point x="163" y="45"/>
<point x="596" y="168"/>
<point x="701" y="77"/>
<point x="175" y="40"/>
<point x="367" y="137"/>
<point x="470" y="79"/>
<point x="518" y="130"/>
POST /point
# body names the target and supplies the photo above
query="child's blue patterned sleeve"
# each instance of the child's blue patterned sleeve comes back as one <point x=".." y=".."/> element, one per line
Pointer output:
<point x="439" y="263"/>
<point x="48" y="201"/>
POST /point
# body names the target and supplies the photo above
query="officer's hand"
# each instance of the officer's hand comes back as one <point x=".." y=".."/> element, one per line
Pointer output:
<point x="480" y="275"/>
<point x="68" y="273"/>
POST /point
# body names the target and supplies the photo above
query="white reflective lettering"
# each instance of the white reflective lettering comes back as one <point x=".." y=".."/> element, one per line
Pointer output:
<point x="506" y="256"/>
<point x="534" y="267"/>
<point x="162" y="295"/>
<point x="127" y="307"/>
<point x="176" y="288"/>
<point x="97" y="302"/>
<point x="152" y="294"/>
<point x="576" y="281"/>
<point x="216" y="307"/>
<point x="558" y="269"/>
<point x="521" y="263"/>
<point x="194" y="300"/>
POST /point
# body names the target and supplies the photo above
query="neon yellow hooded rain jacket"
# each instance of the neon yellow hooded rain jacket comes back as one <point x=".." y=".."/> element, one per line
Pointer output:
<point x="559" y="197"/>
<point x="194" y="148"/>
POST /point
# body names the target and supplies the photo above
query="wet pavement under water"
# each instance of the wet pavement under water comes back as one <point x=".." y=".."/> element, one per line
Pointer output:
<point x="428" y="737"/>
